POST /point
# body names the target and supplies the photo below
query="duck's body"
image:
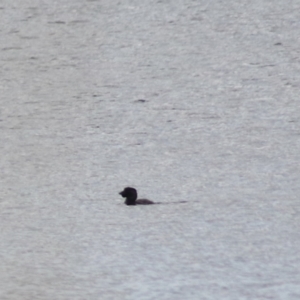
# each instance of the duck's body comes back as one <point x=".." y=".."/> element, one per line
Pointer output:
<point x="143" y="201"/>
<point x="131" y="197"/>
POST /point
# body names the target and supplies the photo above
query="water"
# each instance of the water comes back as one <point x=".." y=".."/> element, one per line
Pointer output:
<point x="219" y="129"/>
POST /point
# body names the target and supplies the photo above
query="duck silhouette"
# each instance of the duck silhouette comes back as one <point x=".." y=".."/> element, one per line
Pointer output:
<point x="131" y="197"/>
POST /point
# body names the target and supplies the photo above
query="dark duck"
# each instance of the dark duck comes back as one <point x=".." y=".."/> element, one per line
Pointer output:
<point x="131" y="197"/>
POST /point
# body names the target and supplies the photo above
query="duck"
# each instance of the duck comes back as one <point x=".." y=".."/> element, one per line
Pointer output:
<point x="131" y="197"/>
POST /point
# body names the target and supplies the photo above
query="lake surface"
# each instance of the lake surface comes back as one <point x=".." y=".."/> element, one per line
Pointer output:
<point x="195" y="104"/>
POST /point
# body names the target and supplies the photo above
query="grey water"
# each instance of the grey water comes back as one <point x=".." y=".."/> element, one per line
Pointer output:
<point x="194" y="103"/>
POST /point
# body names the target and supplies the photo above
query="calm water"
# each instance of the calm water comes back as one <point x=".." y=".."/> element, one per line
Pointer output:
<point x="219" y="129"/>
